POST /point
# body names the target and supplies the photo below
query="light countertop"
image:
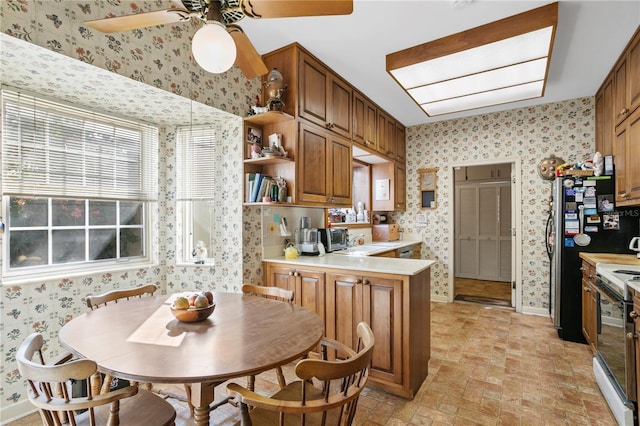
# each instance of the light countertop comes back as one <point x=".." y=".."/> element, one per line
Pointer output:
<point x="375" y="247"/>
<point x="606" y="263"/>
<point x="385" y="265"/>
<point x="619" y="259"/>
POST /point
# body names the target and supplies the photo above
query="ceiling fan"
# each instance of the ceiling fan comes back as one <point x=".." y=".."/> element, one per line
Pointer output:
<point x="220" y="42"/>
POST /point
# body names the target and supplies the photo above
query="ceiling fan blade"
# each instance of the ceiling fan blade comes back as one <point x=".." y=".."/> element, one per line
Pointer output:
<point x="139" y="20"/>
<point x="247" y="57"/>
<point x="292" y="8"/>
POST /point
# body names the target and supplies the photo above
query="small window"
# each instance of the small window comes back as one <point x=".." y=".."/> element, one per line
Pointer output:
<point x="196" y="188"/>
<point x="56" y="231"/>
<point x="77" y="186"/>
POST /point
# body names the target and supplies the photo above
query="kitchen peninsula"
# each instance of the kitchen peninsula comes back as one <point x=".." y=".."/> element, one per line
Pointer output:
<point x="392" y="295"/>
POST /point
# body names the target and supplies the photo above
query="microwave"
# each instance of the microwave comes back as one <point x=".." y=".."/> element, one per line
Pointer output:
<point x="334" y="238"/>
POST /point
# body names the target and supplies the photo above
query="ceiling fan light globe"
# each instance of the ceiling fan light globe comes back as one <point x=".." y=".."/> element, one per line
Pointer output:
<point x="213" y="48"/>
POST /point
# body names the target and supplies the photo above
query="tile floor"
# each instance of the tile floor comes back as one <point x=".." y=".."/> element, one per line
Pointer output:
<point x="489" y="366"/>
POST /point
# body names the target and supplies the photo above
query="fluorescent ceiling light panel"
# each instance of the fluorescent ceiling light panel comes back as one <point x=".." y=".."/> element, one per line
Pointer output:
<point x="478" y="100"/>
<point x="480" y="67"/>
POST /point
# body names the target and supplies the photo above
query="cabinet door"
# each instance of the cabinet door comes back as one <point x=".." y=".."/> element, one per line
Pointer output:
<point x="633" y="75"/>
<point x="401" y="144"/>
<point x="382" y="310"/>
<point x="626" y="151"/>
<point x="479" y="173"/>
<point x="400" y="187"/>
<point x="604" y="118"/>
<point x="310" y="292"/>
<point x="589" y="306"/>
<point x="313" y="183"/>
<point x="391" y="138"/>
<point x="339" y="106"/>
<point x="344" y="307"/>
<point x="382" y="133"/>
<point x="620" y="90"/>
<point x="339" y="171"/>
<point x="280" y="276"/>
<point x="312" y="90"/>
<point x="371" y="125"/>
<point x="358" y="118"/>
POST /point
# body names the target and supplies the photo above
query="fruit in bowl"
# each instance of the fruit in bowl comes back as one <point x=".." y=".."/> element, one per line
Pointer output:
<point x="193" y="309"/>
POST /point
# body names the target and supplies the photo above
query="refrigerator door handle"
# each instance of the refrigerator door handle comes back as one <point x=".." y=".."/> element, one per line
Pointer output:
<point x="547" y="234"/>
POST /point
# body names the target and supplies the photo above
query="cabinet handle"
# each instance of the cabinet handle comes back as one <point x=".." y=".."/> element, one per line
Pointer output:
<point x="290" y="273"/>
<point x="624" y="195"/>
<point x="358" y="281"/>
<point x="330" y="125"/>
<point x="296" y="274"/>
<point x="367" y="143"/>
<point x="630" y="336"/>
<point x="624" y="111"/>
<point x="582" y="268"/>
<point x="591" y="276"/>
<point x="633" y="314"/>
<point x="389" y="153"/>
<point x="588" y="290"/>
<point x="367" y="282"/>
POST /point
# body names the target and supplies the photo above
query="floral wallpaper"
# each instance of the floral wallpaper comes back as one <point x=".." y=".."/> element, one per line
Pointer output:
<point x="147" y="75"/>
<point x="155" y="65"/>
<point x="565" y="129"/>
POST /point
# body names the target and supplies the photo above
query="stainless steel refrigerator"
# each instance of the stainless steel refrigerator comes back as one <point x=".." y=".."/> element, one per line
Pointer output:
<point x="583" y="217"/>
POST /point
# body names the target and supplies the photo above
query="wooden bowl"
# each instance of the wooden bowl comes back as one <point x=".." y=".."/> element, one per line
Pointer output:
<point x="193" y="314"/>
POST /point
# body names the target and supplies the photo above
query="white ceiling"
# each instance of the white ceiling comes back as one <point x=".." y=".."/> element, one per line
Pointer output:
<point x="589" y="38"/>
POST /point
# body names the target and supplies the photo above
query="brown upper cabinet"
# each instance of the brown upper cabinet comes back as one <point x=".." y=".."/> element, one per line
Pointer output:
<point x="627" y="81"/>
<point x="604" y="117"/>
<point x="401" y="147"/>
<point x="618" y="122"/>
<point x="329" y="116"/>
<point x="365" y="116"/>
<point x="325" y="167"/>
<point x="386" y="134"/>
<point x="324" y="98"/>
<point x="626" y="152"/>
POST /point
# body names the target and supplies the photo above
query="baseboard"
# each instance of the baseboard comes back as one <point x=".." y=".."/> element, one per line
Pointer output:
<point x="15" y="411"/>
<point x="439" y="299"/>
<point x="542" y="312"/>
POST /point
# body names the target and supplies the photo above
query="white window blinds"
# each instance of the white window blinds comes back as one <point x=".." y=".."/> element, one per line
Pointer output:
<point x="195" y="162"/>
<point x="55" y="150"/>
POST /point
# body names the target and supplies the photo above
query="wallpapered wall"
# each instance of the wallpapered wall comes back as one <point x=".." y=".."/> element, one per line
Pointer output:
<point x="159" y="57"/>
<point x="565" y="129"/>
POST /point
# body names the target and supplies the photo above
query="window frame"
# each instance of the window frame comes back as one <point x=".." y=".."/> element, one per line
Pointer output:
<point x="147" y="195"/>
<point x="195" y="182"/>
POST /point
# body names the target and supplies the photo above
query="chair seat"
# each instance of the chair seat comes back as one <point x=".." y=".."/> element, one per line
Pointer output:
<point x="144" y="408"/>
<point x="292" y="392"/>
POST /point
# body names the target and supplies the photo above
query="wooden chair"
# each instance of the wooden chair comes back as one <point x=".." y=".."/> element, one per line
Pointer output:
<point x="301" y="402"/>
<point x="96" y="301"/>
<point x="275" y="293"/>
<point x="50" y="392"/>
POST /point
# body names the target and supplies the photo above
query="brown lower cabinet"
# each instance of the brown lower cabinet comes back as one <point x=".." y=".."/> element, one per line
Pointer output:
<point x="397" y="307"/>
<point x="589" y="305"/>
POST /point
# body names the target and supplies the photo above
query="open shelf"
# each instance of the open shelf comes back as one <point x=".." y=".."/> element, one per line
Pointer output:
<point x="268" y="160"/>
<point x="269" y="117"/>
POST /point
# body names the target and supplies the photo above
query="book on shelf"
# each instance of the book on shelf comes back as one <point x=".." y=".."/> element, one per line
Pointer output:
<point x="256" y="187"/>
<point x="250" y="179"/>
<point x="265" y="184"/>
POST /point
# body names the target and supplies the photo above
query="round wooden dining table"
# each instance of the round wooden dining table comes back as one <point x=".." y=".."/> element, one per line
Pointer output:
<point x="140" y="340"/>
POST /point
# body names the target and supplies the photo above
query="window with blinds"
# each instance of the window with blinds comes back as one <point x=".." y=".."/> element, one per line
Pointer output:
<point x="76" y="185"/>
<point x="195" y="190"/>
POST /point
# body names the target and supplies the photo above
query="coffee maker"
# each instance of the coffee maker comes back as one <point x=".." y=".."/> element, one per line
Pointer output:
<point x="307" y="238"/>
